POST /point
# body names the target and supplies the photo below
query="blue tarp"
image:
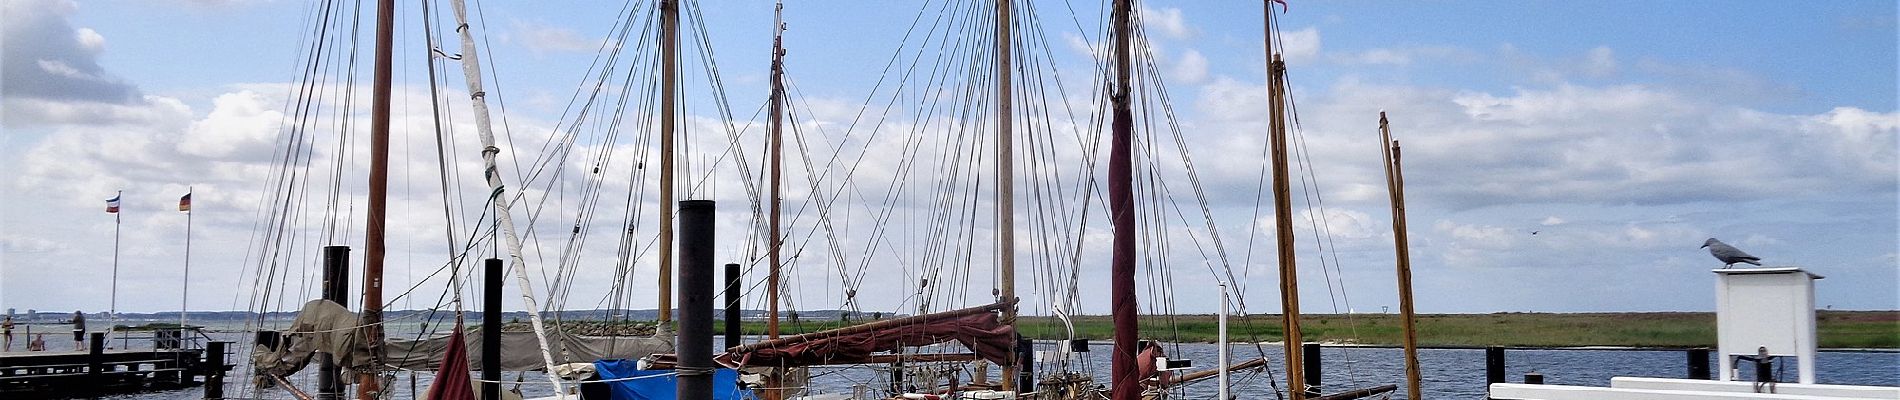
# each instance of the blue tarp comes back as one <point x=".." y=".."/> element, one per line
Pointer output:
<point x="662" y="384"/>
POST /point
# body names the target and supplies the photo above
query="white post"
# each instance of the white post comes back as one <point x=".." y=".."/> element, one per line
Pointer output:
<point x="1223" y="342"/>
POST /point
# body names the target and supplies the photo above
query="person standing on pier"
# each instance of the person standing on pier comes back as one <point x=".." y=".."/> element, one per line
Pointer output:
<point x="79" y="331"/>
<point x="8" y="327"/>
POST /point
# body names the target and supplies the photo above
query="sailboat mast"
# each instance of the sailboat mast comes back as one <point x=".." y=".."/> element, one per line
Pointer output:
<point x="777" y="144"/>
<point x="1283" y="214"/>
<point x="1395" y="184"/>
<point x="669" y="67"/>
<point x="1121" y="211"/>
<point x="368" y="384"/>
<point x="776" y="239"/>
<point x="1005" y="183"/>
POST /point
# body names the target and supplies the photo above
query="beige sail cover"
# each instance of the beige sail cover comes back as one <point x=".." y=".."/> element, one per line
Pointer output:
<point x="325" y="326"/>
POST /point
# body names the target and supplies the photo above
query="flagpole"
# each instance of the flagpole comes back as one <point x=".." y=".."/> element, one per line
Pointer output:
<point x="184" y="301"/>
<point x="113" y="311"/>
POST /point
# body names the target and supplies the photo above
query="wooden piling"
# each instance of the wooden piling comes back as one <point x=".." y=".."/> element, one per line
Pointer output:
<point x="1493" y="365"/>
<point x="1313" y="367"/>
<point x="491" y="328"/>
<point x="336" y="282"/>
<point x="214" y="362"/>
<point x="1699" y="364"/>
<point x="95" y="358"/>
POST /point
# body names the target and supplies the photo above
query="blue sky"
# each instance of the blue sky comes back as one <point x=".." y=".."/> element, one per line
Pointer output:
<point x="1623" y="132"/>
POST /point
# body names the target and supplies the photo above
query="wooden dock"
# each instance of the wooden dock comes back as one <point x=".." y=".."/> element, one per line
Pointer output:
<point x="65" y="374"/>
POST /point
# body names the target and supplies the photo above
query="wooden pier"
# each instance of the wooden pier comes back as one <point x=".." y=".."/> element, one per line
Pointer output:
<point x="67" y="374"/>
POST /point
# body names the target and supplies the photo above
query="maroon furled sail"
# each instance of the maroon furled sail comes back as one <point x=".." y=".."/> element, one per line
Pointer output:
<point x="976" y="328"/>
<point x="1121" y="210"/>
<point x="451" y="380"/>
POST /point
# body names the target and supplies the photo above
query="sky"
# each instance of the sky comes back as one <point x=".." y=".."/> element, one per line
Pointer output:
<point x="1559" y="156"/>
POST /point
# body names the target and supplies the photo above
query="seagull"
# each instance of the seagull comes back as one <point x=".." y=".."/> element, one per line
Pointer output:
<point x="1729" y="254"/>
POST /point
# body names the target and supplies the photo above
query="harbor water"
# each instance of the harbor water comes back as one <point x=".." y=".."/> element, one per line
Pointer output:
<point x="1447" y="373"/>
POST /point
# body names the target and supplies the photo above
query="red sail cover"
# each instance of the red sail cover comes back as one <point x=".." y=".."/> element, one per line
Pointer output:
<point x="452" y="379"/>
<point x="981" y="332"/>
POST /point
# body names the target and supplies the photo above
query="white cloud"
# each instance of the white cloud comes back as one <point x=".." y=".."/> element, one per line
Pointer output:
<point x="241" y="125"/>
<point x="1401" y="56"/>
<point x="1600" y="62"/>
<point x="91" y="40"/>
<point x="1190" y="67"/>
<point x="1552" y="221"/>
<point x="541" y="37"/>
<point x="1300" y="46"/>
<point x="1168" y="20"/>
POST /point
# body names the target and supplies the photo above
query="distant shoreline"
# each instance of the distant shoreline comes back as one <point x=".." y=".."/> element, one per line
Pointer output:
<point x="1837" y="330"/>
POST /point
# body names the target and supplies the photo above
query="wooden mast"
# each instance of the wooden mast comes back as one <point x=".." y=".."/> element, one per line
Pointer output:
<point x="669" y="67"/>
<point x="776" y="125"/>
<point x="1283" y="215"/>
<point x="1395" y="184"/>
<point x="1005" y="184"/>
<point x="1121" y="210"/>
<point x="368" y="382"/>
<point x="777" y="153"/>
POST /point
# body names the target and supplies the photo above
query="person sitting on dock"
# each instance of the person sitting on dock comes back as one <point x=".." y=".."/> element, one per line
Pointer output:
<point x="38" y="343"/>
<point x="79" y="331"/>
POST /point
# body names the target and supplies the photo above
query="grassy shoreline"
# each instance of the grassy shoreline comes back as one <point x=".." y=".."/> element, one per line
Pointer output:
<point x="1837" y="329"/>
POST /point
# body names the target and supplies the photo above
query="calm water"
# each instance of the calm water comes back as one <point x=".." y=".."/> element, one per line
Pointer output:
<point x="1448" y="373"/>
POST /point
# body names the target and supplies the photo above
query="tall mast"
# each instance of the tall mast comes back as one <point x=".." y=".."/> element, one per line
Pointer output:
<point x="1005" y="184"/>
<point x="1121" y="211"/>
<point x="369" y="385"/>
<point x="1283" y="213"/>
<point x="777" y="145"/>
<point x="776" y="239"/>
<point x="1395" y="184"/>
<point x="478" y="98"/>
<point x="669" y="67"/>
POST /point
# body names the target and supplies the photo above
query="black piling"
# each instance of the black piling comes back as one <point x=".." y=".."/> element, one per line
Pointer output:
<point x="336" y="281"/>
<point x="1493" y="365"/>
<point x="215" y="363"/>
<point x="1312" y="358"/>
<point x="733" y="289"/>
<point x="95" y="365"/>
<point x="1534" y="378"/>
<point x="1026" y="363"/>
<point x="491" y="328"/>
<point x="695" y="299"/>
<point x="1699" y="364"/>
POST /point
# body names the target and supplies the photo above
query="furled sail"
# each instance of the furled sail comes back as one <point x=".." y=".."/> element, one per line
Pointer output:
<point x="977" y="328"/>
<point x="325" y="326"/>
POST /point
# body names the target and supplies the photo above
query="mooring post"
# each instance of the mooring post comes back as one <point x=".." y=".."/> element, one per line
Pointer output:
<point x="214" y="374"/>
<point x="492" y="275"/>
<point x="1310" y="351"/>
<point x="733" y="289"/>
<point x="1533" y="378"/>
<point x="695" y="300"/>
<point x="1699" y="364"/>
<point x="95" y="360"/>
<point x="336" y="281"/>
<point x="1493" y="365"/>
<point x="1025" y="364"/>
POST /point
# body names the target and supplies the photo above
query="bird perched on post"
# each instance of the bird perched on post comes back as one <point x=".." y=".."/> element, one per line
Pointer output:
<point x="1729" y="254"/>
